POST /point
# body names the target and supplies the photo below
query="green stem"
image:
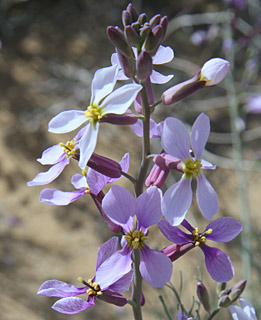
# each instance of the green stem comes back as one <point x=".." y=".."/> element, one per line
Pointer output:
<point x="136" y="307"/>
<point x="126" y="175"/>
<point x="213" y="314"/>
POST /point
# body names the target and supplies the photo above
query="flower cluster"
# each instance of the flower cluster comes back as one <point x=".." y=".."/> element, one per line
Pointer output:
<point x="121" y="264"/>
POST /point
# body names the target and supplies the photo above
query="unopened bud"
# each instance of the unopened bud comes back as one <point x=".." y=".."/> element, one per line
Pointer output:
<point x="154" y="39"/>
<point x="116" y="36"/>
<point x="132" y="36"/>
<point x="203" y="296"/>
<point x="128" y="118"/>
<point x="221" y="286"/>
<point x="224" y="302"/>
<point x="166" y="161"/>
<point x="214" y="71"/>
<point x="237" y="289"/>
<point x="128" y="65"/>
<point x="157" y="176"/>
<point x="142" y="18"/>
<point x="164" y="24"/>
<point x="145" y="32"/>
<point x="132" y="12"/>
<point x="175" y="251"/>
<point x="155" y="20"/>
<point x="126" y="18"/>
<point x="144" y="65"/>
<point x="106" y="166"/>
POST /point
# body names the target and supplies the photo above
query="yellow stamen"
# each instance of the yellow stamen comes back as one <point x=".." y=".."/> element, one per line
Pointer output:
<point x="135" y="239"/>
<point x="192" y="168"/>
<point x="94" y="289"/>
<point x="94" y="113"/>
<point x="68" y="148"/>
<point x="200" y="238"/>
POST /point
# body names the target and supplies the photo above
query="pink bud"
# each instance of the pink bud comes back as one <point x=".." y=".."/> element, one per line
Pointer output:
<point x="214" y="71"/>
<point x="144" y="65"/>
<point x="157" y="176"/>
<point x="128" y="118"/>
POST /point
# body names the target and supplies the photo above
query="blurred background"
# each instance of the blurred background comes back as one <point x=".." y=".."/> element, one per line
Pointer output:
<point x="50" y="50"/>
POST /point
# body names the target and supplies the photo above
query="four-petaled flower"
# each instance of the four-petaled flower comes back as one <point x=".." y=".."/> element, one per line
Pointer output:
<point x="95" y="288"/>
<point x="217" y="262"/>
<point x="121" y="207"/>
<point x="178" y="198"/>
<point x="104" y="101"/>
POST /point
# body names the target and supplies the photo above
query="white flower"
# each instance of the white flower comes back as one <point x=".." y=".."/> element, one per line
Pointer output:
<point x="245" y="312"/>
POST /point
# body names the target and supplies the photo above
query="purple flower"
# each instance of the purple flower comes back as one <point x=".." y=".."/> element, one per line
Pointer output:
<point x="214" y="71"/>
<point x="254" y="104"/>
<point x="121" y="207"/>
<point x="155" y="128"/>
<point x="245" y="312"/>
<point x="217" y="262"/>
<point x="180" y="316"/>
<point x="93" y="183"/>
<point x="94" y="288"/>
<point x="104" y="101"/>
<point x="175" y="141"/>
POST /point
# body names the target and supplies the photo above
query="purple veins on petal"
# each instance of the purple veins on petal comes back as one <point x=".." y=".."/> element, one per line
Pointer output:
<point x="174" y="234"/>
<point x="155" y="267"/>
<point x="218" y="264"/>
<point x="114" y="298"/>
<point x="72" y="305"/>
<point x="176" y="201"/>
<point x="52" y="155"/>
<point x="199" y="134"/>
<point x="106" y="250"/>
<point x="56" y="288"/>
<point x="206" y="197"/>
<point x="59" y="198"/>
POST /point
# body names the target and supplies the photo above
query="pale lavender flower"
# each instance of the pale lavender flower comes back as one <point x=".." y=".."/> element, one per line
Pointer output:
<point x="121" y="207"/>
<point x="178" y="198"/>
<point x="214" y="71"/>
<point x="94" y="288"/>
<point x="217" y="262"/>
<point x="163" y="55"/>
<point x="155" y="128"/>
<point x="254" y="104"/>
<point x="245" y="312"/>
<point x="104" y="101"/>
<point x="181" y="316"/>
<point x="93" y="183"/>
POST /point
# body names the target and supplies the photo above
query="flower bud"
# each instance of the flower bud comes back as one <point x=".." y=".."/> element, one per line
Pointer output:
<point x="154" y="39"/>
<point x="157" y="176"/>
<point x="106" y="166"/>
<point x="133" y="12"/>
<point x="126" y="18"/>
<point x="142" y="18"/>
<point x="132" y="36"/>
<point x="128" y="118"/>
<point x="137" y="102"/>
<point x="164" y="24"/>
<point x="175" y="251"/>
<point x="166" y="161"/>
<point x="214" y="71"/>
<point x="116" y="36"/>
<point x="128" y="65"/>
<point x="145" y="31"/>
<point x="144" y="65"/>
<point x="237" y="289"/>
<point x="182" y="90"/>
<point x="155" y="20"/>
<point x="203" y="296"/>
<point x="224" y="301"/>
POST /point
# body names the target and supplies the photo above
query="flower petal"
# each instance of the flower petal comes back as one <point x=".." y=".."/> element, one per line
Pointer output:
<point x="56" y="288"/>
<point x="155" y="267"/>
<point x="43" y="178"/>
<point x="206" y="197"/>
<point x="120" y="99"/>
<point x="199" y="134"/>
<point x="163" y="55"/>
<point x="175" y="139"/>
<point x="103" y="83"/>
<point x="114" y="268"/>
<point x="67" y="121"/>
<point x="207" y="165"/>
<point x="174" y="234"/>
<point x="218" y="264"/>
<point x="87" y="144"/>
<point x="96" y="181"/>
<point x="113" y="297"/>
<point x="123" y="284"/>
<point x="248" y="309"/>
<point x="224" y="229"/>
<point x="148" y="207"/>
<point x="119" y="205"/>
<point x="159" y="78"/>
<point x="52" y="155"/>
<point x="78" y="181"/>
<point x="59" y="198"/>
<point x="71" y="305"/>
<point x="176" y="201"/>
<point x="106" y="250"/>
<point x="238" y="314"/>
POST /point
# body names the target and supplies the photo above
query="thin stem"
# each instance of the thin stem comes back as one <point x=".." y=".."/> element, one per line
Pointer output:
<point x="165" y="307"/>
<point x="213" y="314"/>
<point x="136" y="306"/>
<point x="126" y="175"/>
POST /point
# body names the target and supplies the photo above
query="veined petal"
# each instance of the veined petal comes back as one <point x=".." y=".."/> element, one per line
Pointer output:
<point x="48" y="176"/>
<point x="174" y="234"/>
<point x="207" y="165"/>
<point x="56" y="288"/>
<point x="119" y="205"/>
<point x="238" y="314"/>
<point x="113" y="297"/>
<point x="218" y="264"/>
<point x="163" y="55"/>
<point x="114" y="268"/>
<point x="148" y="207"/>
<point x="206" y="197"/>
<point x="52" y="155"/>
<point x="224" y="229"/>
<point x="120" y="99"/>
<point x="155" y="128"/>
<point x="199" y="134"/>
<point x="87" y="144"/>
<point x="72" y="305"/>
<point x="96" y="181"/>
<point x="175" y="139"/>
<point x="159" y="78"/>
<point x="248" y="309"/>
<point x="176" y="201"/>
<point x="78" y="181"/>
<point x="67" y="121"/>
<point x="103" y="83"/>
<point x="155" y="267"/>
<point x="123" y="284"/>
<point x="59" y="198"/>
<point x="106" y="250"/>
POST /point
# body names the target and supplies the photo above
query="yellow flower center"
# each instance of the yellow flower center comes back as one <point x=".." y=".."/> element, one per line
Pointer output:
<point x="94" y="113"/>
<point x="192" y="168"/>
<point x="200" y="238"/>
<point x="94" y="288"/>
<point x="135" y="239"/>
<point x="68" y="148"/>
